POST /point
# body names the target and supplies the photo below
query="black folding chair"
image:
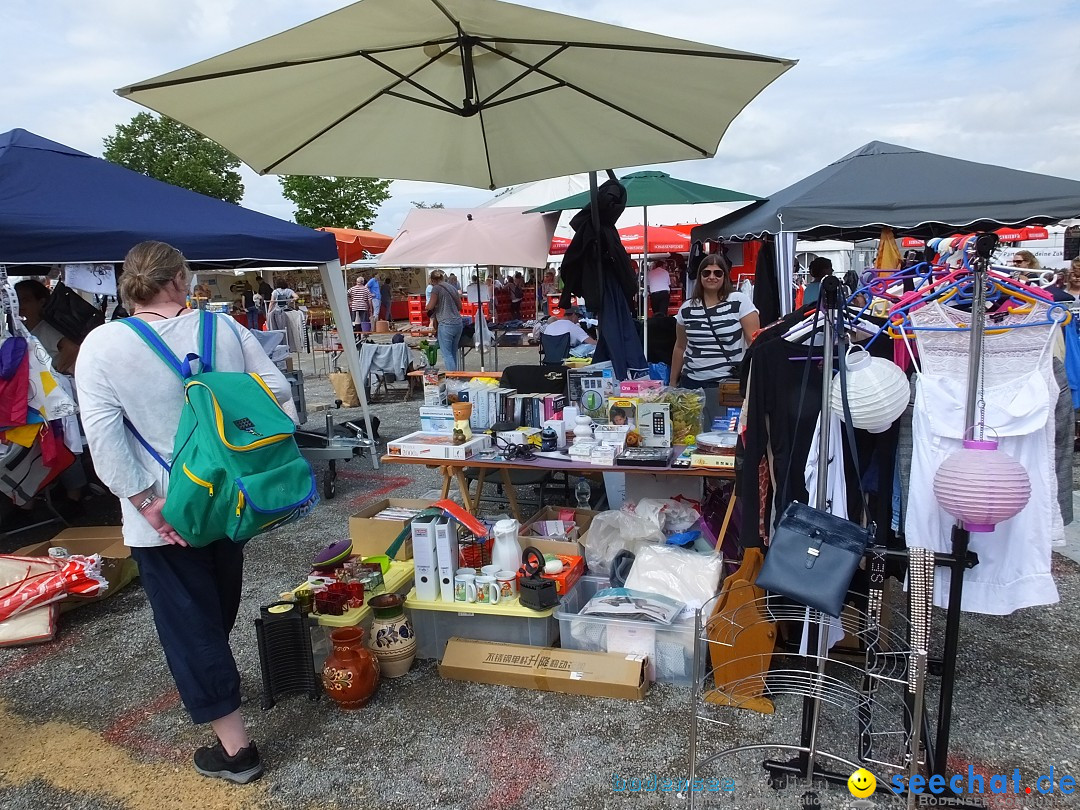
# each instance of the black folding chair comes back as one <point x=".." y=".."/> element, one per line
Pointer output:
<point x="554" y="349"/>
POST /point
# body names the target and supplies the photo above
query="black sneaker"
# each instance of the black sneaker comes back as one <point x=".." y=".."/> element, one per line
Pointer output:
<point x="246" y="766"/>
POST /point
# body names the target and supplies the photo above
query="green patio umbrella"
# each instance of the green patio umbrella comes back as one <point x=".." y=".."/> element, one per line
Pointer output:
<point x="654" y="188"/>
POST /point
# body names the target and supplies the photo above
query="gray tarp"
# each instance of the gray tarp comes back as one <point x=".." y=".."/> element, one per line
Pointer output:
<point x="916" y="193"/>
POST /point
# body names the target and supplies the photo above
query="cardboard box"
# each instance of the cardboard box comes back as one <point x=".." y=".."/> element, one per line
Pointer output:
<point x="582" y="517"/>
<point x="371" y="536"/>
<point x="573" y="672"/>
<point x="116" y="564"/>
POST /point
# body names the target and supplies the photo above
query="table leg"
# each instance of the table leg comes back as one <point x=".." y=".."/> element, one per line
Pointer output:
<point x="511" y="495"/>
<point x="481" y="476"/>
<point x="446" y="476"/>
<point x="463" y="486"/>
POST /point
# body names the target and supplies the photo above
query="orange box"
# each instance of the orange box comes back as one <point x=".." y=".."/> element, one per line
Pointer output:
<point x="565" y="580"/>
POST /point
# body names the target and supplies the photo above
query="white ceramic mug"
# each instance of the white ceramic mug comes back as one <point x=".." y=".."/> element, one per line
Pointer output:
<point x="465" y="571"/>
<point x="487" y="590"/>
<point x="465" y="588"/>
<point x="490" y="571"/>
<point x="508" y="584"/>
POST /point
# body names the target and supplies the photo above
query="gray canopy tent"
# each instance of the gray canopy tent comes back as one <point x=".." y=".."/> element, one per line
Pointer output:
<point x="915" y="193"/>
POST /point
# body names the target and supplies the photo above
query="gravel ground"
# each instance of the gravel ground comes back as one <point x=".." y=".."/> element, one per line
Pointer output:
<point x="92" y="720"/>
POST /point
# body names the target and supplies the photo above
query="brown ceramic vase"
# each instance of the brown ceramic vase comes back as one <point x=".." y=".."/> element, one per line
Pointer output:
<point x="351" y="673"/>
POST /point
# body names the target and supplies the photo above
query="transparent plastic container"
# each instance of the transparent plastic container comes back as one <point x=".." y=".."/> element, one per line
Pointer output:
<point x="670" y="647"/>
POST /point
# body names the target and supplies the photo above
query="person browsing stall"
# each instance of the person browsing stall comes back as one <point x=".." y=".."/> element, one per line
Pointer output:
<point x="194" y="592"/>
<point x="659" y="281"/>
<point x="581" y="345"/>
<point x="376" y="295"/>
<point x="712" y="332"/>
<point x="819" y="268"/>
<point x="359" y="301"/>
<point x="444" y="307"/>
<point x="32" y="296"/>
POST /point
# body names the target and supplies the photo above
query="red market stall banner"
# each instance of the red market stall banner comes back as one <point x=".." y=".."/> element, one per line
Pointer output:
<point x="661" y="240"/>
<point x="1027" y="234"/>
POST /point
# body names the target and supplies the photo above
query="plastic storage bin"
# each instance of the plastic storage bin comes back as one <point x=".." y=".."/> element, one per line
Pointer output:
<point x="437" y="622"/>
<point x="670" y="647"/>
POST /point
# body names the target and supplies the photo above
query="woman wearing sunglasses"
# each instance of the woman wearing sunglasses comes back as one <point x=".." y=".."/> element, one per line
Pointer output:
<point x="713" y="329"/>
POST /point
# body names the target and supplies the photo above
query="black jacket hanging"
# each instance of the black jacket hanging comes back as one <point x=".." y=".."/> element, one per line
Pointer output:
<point x="766" y="287"/>
<point x="591" y="256"/>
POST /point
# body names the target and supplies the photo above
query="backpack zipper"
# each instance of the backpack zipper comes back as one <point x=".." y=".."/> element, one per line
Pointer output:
<point x="198" y="480"/>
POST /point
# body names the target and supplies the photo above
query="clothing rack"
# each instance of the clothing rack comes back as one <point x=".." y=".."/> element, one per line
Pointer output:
<point x="937" y="749"/>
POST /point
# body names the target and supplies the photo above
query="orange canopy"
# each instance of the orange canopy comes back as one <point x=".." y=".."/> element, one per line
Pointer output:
<point x="352" y="243"/>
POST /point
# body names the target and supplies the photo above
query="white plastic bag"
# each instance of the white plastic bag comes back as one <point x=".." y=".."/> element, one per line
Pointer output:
<point x="611" y="532"/>
<point x="670" y="516"/>
<point x="670" y="571"/>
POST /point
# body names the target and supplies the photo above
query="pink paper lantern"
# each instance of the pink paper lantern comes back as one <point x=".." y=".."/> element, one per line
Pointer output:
<point x="981" y="485"/>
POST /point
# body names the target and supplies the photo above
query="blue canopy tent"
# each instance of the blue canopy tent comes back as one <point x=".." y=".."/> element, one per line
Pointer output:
<point x="62" y="206"/>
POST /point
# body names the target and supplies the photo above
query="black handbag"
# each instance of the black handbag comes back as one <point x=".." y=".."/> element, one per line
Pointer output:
<point x="71" y="314"/>
<point x="813" y="555"/>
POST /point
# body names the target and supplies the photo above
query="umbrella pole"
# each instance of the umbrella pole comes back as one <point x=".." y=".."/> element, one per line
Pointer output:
<point x="645" y="284"/>
<point x="480" y="315"/>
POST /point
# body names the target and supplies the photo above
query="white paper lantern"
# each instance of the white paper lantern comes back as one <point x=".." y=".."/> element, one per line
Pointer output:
<point x="981" y="485"/>
<point x="878" y="391"/>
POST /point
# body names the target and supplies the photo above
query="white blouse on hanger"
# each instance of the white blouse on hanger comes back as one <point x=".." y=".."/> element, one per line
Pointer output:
<point x="1019" y="392"/>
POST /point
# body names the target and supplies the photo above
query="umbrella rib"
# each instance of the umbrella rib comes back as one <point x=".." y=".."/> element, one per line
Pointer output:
<point x="530" y="70"/>
<point x="444" y="104"/>
<point x="227" y="74"/>
<point x="606" y="103"/>
<point x="736" y="56"/>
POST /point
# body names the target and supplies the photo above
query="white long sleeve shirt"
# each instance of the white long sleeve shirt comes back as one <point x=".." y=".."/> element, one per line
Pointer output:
<point x="118" y="375"/>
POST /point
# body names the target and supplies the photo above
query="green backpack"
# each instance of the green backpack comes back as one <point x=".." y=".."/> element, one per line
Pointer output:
<point x="236" y="470"/>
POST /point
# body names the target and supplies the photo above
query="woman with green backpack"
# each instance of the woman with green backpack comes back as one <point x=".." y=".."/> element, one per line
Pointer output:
<point x="132" y="401"/>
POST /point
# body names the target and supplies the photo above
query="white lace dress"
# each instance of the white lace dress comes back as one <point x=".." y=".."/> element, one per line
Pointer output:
<point x="1014" y="559"/>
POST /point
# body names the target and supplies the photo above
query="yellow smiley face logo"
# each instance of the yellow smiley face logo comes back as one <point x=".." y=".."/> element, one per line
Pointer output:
<point x="862" y="783"/>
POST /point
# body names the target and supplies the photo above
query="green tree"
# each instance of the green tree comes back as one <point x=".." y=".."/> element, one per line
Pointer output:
<point x="422" y="204"/>
<point x="165" y="149"/>
<point x="335" y="202"/>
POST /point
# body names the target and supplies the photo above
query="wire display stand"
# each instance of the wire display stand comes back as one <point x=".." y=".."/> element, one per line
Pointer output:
<point x="878" y="698"/>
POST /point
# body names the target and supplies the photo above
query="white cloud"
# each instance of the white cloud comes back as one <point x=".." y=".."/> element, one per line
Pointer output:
<point x="986" y="80"/>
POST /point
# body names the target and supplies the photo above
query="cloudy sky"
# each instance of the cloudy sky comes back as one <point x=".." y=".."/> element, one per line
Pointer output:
<point x="993" y="81"/>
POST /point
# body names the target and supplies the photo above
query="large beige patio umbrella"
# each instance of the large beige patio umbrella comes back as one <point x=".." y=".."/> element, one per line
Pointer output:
<point x="471" y="92"/>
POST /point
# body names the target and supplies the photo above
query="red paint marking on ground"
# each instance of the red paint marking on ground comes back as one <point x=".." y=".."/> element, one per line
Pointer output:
<point x="516" y="769"/>
<point x="381" y="486"/>
<point x="38" y="654"/>
<point x="126" y="731"/>
<point x="958" y="765"/>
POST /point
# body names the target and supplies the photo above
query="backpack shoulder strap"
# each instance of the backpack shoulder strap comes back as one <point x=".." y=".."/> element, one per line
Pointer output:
<point x="158" y="346"/>
<point x="207" y="339"/>
<point x="182" y="368"/>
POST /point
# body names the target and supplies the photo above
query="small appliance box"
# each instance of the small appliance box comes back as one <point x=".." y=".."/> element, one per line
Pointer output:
<point x="425" y="557"/>
<point x="436" y="419"/>
<point x="590" y="387"/>
<point x="437" y="445"/>
<point x="446" y="549"/>
<point x="573" y="672"/>
<point x="654" y="424"/>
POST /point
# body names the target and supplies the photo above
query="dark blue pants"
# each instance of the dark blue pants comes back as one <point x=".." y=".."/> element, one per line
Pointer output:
<point x="195" y="595"/>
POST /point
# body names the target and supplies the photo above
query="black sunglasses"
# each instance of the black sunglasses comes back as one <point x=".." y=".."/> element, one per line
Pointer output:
<point x="712" y="270"/>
